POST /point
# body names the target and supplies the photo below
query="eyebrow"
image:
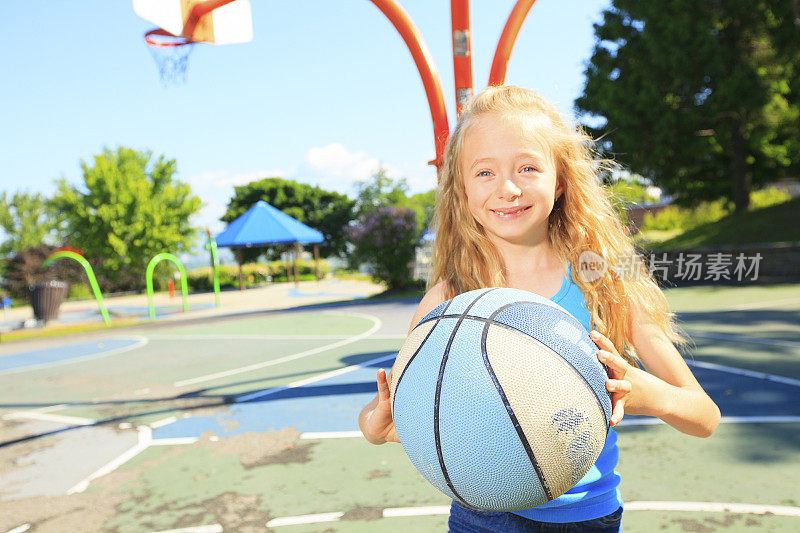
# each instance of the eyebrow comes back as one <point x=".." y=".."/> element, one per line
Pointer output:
<point x="537" y="156"/>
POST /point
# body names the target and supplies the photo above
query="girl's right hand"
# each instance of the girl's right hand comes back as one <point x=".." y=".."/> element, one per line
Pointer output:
<point x="377" y="422"/>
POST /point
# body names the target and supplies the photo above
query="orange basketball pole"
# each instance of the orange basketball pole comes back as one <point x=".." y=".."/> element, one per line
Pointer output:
<point x="497" y="75"/>
<point x="462" y="52"/>
<point x="427" y="70"/>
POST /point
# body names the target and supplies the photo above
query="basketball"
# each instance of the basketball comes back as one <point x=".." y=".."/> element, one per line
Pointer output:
<point x="499" y="399"/>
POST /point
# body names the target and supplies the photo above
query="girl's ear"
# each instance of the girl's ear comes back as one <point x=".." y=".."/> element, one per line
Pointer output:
<point x="559" y="189"/>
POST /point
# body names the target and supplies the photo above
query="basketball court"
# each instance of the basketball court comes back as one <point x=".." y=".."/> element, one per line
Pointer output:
<point x="246" y="422"/>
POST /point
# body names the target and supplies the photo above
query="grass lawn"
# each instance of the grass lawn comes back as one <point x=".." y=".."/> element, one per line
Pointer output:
<point x="776" y="223"/>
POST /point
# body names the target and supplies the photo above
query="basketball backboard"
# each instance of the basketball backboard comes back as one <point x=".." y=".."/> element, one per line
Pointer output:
<point x="220" y="21"/>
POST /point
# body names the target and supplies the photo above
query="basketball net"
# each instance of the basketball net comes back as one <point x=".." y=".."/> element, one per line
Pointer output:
<point x="171" y="54"/>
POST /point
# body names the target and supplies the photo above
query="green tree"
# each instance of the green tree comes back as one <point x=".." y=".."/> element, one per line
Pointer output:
<point x="693" y="95"/>
<point x="422" y="204"/>
<point x="128" y="209"/>
<point x="326" y="211"/>
<point x="380" y="191"/>
<point x="27" y="220"/>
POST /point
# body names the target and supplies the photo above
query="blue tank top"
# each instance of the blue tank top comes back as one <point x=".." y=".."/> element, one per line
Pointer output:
<point x="597" y="494"/>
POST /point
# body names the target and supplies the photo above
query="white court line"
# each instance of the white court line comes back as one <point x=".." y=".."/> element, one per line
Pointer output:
<point x="174" y="441"/>
<point x="739" y="338"/>
<point x="707" y="507"/>
<point x="713" y="507"/>
<point x="140" y="341"/>
<point x="761" y="305"/>
<point x="376" y="325"/>
<point x="314" y="435"/>
<point x="743" y="372"/>
<point x="416" y="511"/>
<point x="214" y="528"/>
<point x="20" y="529"/>
<point x="37" y="415"/>
<point x="304" y="519"/>
<point x="267" y="337"/>
<point x="725" y="420"/>
<point x="307" y="381"/>
<point x="329" y="435"/>
<point x="145" y="438"/>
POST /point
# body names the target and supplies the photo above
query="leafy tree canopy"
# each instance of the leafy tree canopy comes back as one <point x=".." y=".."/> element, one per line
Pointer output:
<point x="383" y="191"/>
<point x="326" y="211"/>
<point x="128" y="209"/>
<point x="699" y="97"/>
<point x="27" y="220"/>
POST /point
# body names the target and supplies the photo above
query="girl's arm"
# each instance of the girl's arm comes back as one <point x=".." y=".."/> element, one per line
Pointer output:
<point x="375" y="419"/>
<point x="667" y="390"/>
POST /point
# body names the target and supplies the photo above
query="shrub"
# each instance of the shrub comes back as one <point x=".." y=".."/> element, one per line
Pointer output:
<point x="255" y="274"/>
<point x="386" y="239"/>
<point x="673" y="217"/>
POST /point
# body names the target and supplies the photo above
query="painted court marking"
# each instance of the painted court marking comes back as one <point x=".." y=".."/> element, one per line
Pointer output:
<point x="46" y="417"/>
<point x="145" y="439"/>
<point x="739" y="338"/>
<point x="313" y="379"/>
<point x="742" y="372"/>
<point x="762" y="305"/>
<point x="50" y="357"/>
<point x="209" y="377"/>
<point x="707" y="507"/>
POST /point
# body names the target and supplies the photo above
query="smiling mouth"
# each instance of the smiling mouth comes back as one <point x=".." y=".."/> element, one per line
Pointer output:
<point x="510" y="214"/>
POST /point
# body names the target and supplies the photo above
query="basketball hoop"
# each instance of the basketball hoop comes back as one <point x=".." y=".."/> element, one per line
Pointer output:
<point x="171" y="54"/>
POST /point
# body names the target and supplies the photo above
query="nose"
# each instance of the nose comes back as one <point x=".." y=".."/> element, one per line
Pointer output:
<point x="508" y="190"/>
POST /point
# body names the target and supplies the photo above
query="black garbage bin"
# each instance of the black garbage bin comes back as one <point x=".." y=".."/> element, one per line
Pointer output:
<point x="46" y="298"/>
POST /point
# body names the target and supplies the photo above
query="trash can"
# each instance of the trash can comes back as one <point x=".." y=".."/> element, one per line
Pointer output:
<point x="46" y="299"/>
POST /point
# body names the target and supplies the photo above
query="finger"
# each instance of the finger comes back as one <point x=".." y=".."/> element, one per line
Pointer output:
<point x="383" y="385"/>
<point x="618" y="413"/>
<point x="602" y="341"/>
<point x="615" y="363"/>
<point x="622" y="386"/>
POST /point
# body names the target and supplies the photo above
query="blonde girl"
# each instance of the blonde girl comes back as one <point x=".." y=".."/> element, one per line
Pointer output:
<point x="520" y="204"/>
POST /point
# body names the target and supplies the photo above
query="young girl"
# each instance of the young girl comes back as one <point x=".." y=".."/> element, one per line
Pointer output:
<point x="519" y="201"/>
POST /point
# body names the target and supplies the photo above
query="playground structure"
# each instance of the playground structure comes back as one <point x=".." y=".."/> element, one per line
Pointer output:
<point x="149" y="280"/>
<point x="89" y="274"/>
<point x="197" y="16"/>
<point x="211" y="245"/>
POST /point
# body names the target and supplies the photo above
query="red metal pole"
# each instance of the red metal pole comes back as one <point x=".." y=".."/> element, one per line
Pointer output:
<point x="497" y="76"/>
<point x="427" y="70"/>
<point x="462" y="52"/>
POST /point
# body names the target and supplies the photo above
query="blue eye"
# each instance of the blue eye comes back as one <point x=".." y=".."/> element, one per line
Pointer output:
<point x="529" y="168"/>
<point x="484" y="173"/>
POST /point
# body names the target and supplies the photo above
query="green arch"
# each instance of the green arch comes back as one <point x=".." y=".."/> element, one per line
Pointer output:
<point x="149" y="279"/>
<point x="211" y="244"/>
<point x="89" y="274"/>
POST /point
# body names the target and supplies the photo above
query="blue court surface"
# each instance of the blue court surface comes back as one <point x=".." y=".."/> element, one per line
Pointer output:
<point x="67" y="353"/>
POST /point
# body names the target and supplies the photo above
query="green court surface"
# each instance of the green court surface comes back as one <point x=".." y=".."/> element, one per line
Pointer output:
<point x="246" y="424"/>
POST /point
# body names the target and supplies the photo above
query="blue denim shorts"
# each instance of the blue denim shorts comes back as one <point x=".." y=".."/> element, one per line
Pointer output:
<point x="463" y="520"/>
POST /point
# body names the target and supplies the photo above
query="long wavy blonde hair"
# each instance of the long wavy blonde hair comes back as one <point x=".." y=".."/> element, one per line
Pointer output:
<point x="582" y="220"/>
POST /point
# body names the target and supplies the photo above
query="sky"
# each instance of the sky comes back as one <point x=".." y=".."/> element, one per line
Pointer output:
<point x="324" y="93"/>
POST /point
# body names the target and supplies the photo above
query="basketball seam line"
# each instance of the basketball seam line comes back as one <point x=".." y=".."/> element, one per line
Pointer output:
<point x="517" y="426"/>
<point x="421" y="344"/>
<point x="509" y="326"/>
<point x="436" y="435"/>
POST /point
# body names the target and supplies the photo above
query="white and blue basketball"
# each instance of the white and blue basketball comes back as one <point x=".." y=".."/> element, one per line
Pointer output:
<point x="499" y="399"/>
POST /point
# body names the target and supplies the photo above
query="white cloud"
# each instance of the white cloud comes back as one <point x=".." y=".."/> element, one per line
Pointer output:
<point x="335" y="167"/>
<point x="336" y="160"/>
<point x="332" y="167"/>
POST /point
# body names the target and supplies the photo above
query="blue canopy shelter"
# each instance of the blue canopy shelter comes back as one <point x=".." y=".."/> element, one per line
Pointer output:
<point x="263" y="225"/>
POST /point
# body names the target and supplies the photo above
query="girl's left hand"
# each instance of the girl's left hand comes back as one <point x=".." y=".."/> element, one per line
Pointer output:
<point x="620" y="374"/>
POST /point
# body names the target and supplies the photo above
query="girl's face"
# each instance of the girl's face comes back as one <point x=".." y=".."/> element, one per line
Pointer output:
<point x="510" y="180"/>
